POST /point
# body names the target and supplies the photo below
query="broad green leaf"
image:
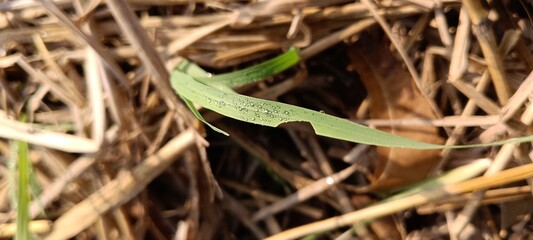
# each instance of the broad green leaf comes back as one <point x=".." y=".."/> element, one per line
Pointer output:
<point x="195" y="85"/>
<point x="272" y="114"/>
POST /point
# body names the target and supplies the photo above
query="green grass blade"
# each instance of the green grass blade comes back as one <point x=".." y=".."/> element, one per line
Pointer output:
<point x="22" y="183"/>
<point x="23" y="193"/>
<point x="202" y="91"/>
<point x="245" y="76"/>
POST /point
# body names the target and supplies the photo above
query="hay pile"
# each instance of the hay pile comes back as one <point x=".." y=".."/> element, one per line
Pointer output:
<point x="119" y="156"/>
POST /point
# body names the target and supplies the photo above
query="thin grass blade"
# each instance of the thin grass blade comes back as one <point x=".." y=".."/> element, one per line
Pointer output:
<point x="23" y="193"/>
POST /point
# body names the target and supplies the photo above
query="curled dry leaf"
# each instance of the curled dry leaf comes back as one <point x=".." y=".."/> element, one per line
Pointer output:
<point x="393" y="95"/>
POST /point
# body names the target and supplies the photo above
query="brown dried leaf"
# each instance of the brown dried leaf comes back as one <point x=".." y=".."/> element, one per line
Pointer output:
<point x="393" y="95"/>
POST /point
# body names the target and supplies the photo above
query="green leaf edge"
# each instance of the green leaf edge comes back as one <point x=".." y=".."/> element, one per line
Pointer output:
<point x="200" y="117"/>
